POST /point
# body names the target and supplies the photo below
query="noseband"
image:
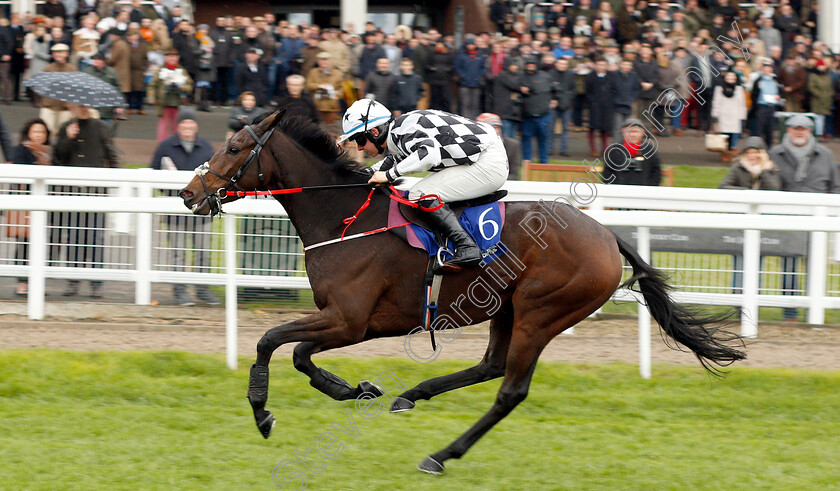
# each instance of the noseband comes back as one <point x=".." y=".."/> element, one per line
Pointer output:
<point x="215" y="199"/>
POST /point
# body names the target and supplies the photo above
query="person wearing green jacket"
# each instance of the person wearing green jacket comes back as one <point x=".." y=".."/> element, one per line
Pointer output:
<point x="107" y="74"/>
<point x="170" y="89"/>
<point x="822" y="96"/>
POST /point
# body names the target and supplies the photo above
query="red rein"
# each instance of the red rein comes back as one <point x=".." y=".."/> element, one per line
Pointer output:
<point x="394" y="195"/>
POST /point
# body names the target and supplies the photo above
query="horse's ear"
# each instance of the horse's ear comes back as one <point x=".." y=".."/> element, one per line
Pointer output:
<point x="278" y="116"/>
<point x="269" y="120"/>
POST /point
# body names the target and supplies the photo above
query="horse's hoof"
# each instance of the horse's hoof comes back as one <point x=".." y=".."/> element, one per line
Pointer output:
<point x="266" y="425"/>
<point x="431" y="466"/>
<point x="401" y="404"/>
<point x="370" y="387"/>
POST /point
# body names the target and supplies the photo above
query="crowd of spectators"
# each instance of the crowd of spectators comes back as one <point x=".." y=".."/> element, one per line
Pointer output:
<point x="587" y="67"/>
<point x="612" y="69"/>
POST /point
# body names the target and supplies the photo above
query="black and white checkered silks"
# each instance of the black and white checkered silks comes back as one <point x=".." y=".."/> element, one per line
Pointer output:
<point x="467" y="158"/>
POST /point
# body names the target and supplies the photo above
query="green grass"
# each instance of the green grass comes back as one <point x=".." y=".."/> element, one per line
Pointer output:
<point x="685" y="176"/>
<point x="171" y="420"/>
<point x="691" y="176"/>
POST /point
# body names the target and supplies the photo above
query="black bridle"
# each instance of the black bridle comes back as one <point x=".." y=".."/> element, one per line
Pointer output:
<point x="214" y="200"/>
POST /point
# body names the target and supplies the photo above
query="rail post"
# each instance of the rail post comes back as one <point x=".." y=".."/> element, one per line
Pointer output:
<point x="817" y="267"/>
<point x="144" y="238"/>
<point x="232" y="347"/>
<point x="752" y="265"/>
<point x="38" y="239"/>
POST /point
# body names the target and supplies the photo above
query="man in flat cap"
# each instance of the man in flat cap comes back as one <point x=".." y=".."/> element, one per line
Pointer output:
<point x="324" y="83"/>
<point x="251" y="76"/>
<point x="55" y="112"/>
<point x="102" y="71"/>
<point x="806" y="167"/>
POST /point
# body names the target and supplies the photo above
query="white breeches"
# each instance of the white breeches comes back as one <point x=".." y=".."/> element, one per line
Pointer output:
<point x="461" y="182"/>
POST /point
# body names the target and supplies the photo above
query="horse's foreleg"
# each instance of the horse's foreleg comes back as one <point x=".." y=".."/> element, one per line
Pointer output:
<point x="327" y="382"/>
<point x="521" y="361"/>
<point x="316" y="327"/>
<point x="491" y="366"/>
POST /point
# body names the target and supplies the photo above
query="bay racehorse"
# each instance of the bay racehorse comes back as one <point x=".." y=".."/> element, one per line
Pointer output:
<point x="372" y="287"/>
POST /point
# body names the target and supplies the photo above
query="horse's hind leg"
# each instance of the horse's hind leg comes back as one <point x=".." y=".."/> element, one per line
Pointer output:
<point x="491" y="366"/>
<point x="521" y="361"/>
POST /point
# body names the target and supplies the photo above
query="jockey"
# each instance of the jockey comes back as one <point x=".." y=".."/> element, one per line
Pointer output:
<point x="466" y="159"/>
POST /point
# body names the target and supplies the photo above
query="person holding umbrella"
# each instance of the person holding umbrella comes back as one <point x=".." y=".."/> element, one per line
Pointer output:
<point x="60" y="89"/>
<point x="107" y="74"/>
<point x="85" y="142"/>
<point x="82" y="142"/>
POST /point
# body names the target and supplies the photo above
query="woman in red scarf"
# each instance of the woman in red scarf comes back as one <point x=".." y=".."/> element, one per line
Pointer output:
<point x="634" y="161"/>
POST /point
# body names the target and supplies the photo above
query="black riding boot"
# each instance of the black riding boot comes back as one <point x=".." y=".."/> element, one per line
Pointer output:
<point x="467" y="254"/>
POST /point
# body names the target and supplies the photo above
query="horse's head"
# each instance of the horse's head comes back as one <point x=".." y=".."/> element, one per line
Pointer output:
<point x="236" y="166"/>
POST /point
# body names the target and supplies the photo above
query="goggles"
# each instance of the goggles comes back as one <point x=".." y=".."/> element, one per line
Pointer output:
<point x="359" y="138"/>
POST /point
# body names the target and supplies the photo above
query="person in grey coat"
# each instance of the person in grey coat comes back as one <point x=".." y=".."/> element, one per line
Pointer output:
<point x="378" y="83"/>
<point x="601" y="92"/>
<point x="806" y="167"/>
<point x="648" y="72"/>
<point x="538" y="101"/>
<point x="36" y="46"/>
<point x="222" y="58"/>
<point x="769" y="34"/>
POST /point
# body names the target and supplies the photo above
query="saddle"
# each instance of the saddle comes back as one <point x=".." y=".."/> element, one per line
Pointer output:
<point x="487" y="209"/>
<point x="420" y="234"/>
<point x="417" y="217"/>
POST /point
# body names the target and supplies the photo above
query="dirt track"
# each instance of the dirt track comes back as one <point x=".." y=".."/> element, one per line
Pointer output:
<point x="86" y="327"/>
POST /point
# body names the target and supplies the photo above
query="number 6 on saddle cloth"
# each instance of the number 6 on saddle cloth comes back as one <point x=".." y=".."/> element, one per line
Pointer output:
<point x="483" y="218"/>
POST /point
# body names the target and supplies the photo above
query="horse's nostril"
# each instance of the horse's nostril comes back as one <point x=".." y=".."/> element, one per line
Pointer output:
<point x="184" y="194"/>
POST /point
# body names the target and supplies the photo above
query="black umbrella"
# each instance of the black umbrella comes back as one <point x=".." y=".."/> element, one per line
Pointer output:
<point x="76" y="87"/>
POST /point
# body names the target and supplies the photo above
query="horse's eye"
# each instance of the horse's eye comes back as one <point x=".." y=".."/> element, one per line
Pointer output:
<point x="233" y="150"/>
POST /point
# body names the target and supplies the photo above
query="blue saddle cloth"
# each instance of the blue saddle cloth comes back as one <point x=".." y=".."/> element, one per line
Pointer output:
<point x="484" y="223"/>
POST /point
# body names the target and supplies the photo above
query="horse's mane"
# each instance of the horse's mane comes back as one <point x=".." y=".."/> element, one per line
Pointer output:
<point x="313" y="138"/>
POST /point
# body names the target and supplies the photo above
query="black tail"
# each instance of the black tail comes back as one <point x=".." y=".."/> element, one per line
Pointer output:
<point x="711" y="345"/>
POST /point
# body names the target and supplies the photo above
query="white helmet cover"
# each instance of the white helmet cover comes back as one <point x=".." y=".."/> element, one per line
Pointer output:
<point x="362" y="116"/>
